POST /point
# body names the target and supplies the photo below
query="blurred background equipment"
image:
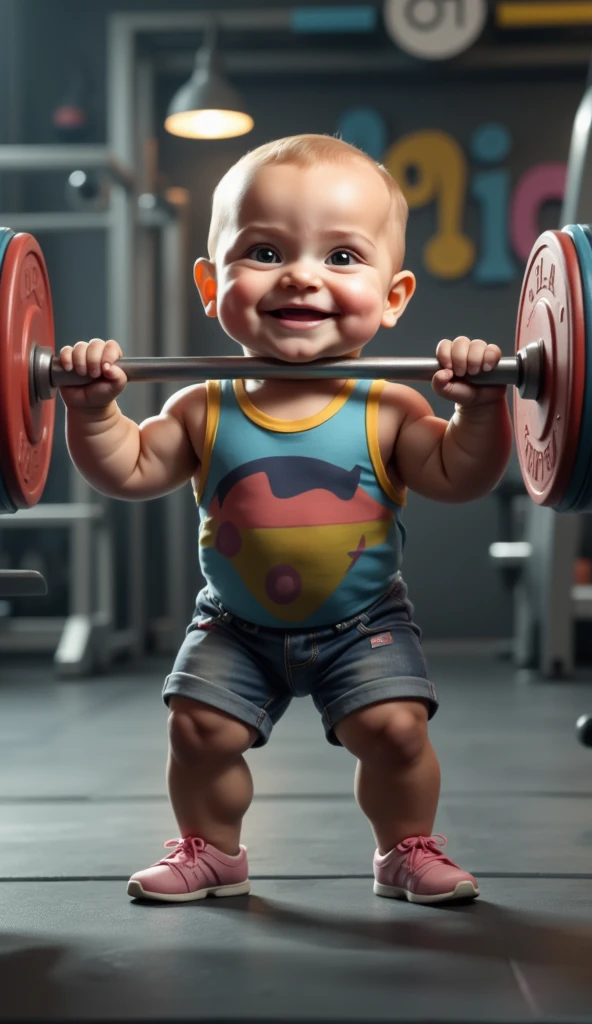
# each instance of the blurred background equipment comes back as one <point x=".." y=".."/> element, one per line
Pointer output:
<point x="72" y="117"/>
<point x="584" y="730"/>
<point x="87" y="191"/>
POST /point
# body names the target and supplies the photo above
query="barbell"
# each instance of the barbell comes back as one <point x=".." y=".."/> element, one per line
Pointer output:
<point x="551" y="371"/>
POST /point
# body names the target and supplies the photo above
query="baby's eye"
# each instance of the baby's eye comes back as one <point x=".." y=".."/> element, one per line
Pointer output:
<point x="342" y="258"/>
<point x="263" y="254"/>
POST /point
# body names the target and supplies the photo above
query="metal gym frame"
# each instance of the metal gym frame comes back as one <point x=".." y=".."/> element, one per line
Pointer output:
<point x="140" y="227"/>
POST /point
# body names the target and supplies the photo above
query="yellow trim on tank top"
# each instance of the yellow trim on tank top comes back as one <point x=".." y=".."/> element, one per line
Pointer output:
<point x="398" y="496"/>
<point x="291" y="426"/>
<point x="212" y="420"/>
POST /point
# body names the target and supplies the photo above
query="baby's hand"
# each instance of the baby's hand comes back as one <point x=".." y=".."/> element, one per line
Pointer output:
<point x="461" y="358"/>
<point x="93" y="359"/>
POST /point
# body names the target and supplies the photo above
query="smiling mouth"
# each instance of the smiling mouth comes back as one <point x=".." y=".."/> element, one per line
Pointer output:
<point x="300" y="313"/>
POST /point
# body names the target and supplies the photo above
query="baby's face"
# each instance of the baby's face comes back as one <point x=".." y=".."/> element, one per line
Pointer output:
<point x="306" y="267"/>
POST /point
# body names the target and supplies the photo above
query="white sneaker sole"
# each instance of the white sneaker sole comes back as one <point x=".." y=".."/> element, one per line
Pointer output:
<point x="463" y="891"/>
<point x="137" y="892"/>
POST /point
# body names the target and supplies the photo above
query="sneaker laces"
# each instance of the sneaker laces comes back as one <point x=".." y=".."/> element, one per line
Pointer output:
<point x="186" y="851"/>
<point x="422" y="849"/>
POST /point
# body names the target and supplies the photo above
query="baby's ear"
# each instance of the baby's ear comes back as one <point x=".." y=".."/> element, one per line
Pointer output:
<point x="400" y="293"/>
<point x="204" y="273"/>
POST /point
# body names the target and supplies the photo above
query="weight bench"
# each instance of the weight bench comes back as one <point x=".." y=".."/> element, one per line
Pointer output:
<point x="22" y="583"/>
<point x="85" y="639"/>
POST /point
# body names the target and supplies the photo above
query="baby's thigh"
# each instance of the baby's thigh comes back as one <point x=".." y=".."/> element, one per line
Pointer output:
<point x="217" y="673"/>
<point x="378" y="658"/>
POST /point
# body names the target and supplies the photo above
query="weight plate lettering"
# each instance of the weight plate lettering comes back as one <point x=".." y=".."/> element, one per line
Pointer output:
<point x="551" y="307"/>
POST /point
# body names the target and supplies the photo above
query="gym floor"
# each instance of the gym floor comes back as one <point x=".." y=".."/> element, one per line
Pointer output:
<point x="84" y="805"/>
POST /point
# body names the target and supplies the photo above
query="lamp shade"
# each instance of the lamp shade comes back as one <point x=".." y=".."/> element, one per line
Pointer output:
<point x="207" y="106"/>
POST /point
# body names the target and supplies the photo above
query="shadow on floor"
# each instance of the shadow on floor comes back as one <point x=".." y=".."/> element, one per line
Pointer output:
<point x="493" y="932"/>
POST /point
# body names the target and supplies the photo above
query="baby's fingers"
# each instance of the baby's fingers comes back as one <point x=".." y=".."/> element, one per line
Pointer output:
<point x="114" y="374"/>
<point x="444" y="353"/>
<point x="112" y="353"/>
<point x="95" y="356"/>
<point x="492" y="356"/>
<point x="65" y="357"/>
<point x="79" y="358"/>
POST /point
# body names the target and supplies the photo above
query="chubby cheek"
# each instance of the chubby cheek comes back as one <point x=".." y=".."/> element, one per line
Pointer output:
<point x="361" y="304"/>
<point x="236" y="306"/>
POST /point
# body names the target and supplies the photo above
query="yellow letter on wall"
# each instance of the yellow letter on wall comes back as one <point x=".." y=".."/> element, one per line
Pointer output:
<point x="439" y="169"/>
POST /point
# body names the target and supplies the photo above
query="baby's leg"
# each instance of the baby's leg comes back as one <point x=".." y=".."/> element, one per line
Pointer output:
<point x="397" y="775"/>
<point x="397" y="787"/>
<point x="209" y="781"/>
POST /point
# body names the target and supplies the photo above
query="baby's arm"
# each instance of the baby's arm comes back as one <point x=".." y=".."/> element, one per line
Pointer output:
<point x="112" y="452"/>
<point x="464" y="458"/>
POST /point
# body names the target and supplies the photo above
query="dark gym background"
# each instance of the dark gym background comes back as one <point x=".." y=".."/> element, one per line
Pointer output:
<point x="454" y="596"/>
<point x="82" y="794"/>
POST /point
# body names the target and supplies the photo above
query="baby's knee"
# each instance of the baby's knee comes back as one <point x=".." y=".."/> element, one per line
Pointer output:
<point x="198" y="732"/>
<point x="394" y="731"/>
<point x="405" y="735"/>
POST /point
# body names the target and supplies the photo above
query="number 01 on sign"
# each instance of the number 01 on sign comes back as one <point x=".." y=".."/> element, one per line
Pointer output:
<point x="435" y="29"/>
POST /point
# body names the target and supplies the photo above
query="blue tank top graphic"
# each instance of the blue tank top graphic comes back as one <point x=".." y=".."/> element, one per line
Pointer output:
<point x="299" y="524"/>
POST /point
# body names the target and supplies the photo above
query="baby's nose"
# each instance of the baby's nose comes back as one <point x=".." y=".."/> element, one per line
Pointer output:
<point x="301" y="275"/>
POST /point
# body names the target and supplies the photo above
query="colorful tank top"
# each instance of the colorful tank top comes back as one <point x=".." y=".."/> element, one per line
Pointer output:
<point x="299" y="524"/>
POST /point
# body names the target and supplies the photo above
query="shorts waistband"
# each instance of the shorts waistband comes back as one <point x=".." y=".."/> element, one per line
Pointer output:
<point x="363" y="615"/>
<point x="338" y="627"/>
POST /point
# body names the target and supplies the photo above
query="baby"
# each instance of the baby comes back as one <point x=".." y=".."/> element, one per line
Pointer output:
<point x="300" y="485"/>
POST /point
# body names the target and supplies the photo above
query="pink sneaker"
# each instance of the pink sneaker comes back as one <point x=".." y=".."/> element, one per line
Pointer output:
<point x="418" y="871"/>
<point x="193" y="870"/>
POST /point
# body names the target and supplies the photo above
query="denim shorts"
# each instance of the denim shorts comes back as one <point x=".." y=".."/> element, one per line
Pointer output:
<point x="252" y="672"/>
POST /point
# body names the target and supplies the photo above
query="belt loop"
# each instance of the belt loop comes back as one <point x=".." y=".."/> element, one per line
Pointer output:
<point x="223" y="615"/>
<point x="347" y="623"/>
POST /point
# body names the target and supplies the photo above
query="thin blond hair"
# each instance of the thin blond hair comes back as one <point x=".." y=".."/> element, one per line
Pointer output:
<point x="304" y="151"/>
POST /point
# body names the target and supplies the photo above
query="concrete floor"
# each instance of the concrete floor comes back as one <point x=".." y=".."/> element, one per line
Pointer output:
<point x="83" y="805"/>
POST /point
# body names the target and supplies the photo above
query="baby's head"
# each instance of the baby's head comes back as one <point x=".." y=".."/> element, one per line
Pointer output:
<point x="305" y="247"/>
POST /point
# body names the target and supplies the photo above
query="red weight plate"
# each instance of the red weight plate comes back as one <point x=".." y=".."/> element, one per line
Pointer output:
<point x="26" y="318"/>
<point x="551" y="308"/>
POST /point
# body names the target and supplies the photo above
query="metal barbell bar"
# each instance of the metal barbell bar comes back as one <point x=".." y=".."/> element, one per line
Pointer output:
<point x="523" y="371"/>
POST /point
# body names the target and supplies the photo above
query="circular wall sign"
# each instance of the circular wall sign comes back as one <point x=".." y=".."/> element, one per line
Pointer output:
<point x="435" y="29"/>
